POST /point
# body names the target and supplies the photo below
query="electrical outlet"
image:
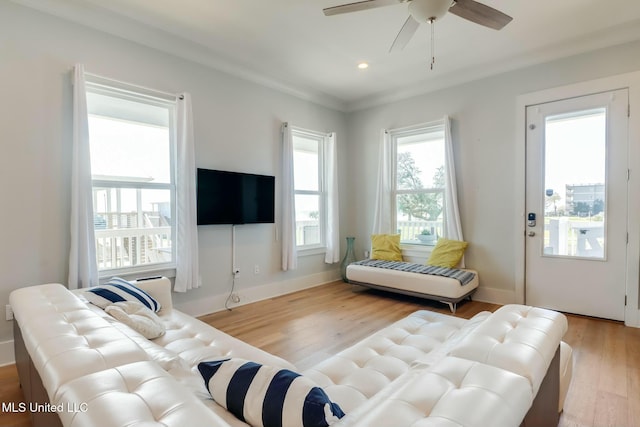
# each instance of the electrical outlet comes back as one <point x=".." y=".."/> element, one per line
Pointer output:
<point x="235" y="298"/>
<point x="8" y="312"/>
<point x="256" y="269"/>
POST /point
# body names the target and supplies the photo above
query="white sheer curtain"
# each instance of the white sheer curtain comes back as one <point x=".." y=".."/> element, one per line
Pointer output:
<point x="333" y="222"/>
<point x="382" y="215"/>
<point x="289" y="250"/>
<point x="452" y="226"/>
<point x="83" y="267"/>
<point x="187" y="269"/>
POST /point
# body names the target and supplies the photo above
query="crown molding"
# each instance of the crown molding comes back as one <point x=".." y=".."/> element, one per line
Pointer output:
<point x="619" y="35"/>
<point x="97" y="18"/>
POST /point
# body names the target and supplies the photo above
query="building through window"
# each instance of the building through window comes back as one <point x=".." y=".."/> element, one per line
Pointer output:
<point x="309" y="189"/>
<point x="132" y="164"/>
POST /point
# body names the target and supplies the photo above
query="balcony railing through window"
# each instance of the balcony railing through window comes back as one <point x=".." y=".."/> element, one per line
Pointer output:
<point x="132" y="239"/>
<point x="420" y="232"/>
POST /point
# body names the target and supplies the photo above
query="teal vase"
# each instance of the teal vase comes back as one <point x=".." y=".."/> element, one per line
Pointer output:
<point x="349" y="257"/>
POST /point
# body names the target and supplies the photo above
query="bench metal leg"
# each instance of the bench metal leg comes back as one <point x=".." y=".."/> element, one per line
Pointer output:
<point x="452" y="306"/>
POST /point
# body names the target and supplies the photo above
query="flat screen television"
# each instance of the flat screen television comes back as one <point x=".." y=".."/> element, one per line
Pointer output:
<point x="234" y="198"/>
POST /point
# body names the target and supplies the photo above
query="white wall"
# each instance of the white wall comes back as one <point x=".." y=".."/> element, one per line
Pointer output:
<point x="237" y="127"/>
<point x="484" y="131"/>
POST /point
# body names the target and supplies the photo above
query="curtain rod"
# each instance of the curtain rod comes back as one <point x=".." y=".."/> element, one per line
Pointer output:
<point x="418" y="126"/>
<point x="307" y="131"/>
<point x="150" y="91"/>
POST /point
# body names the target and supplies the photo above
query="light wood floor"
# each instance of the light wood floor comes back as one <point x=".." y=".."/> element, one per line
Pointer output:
<point x="309" y="326"/>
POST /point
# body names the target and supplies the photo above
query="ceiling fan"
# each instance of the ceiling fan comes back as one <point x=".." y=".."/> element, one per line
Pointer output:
<point x="429" y="11"/>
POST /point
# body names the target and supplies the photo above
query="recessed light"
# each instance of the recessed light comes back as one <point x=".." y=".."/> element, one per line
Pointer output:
<point x="363" y="65"/>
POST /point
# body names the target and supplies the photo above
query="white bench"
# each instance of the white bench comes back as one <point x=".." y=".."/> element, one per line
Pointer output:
<point x="444" y="289"/>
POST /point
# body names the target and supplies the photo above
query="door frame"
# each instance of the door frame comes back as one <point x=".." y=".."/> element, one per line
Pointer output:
<point x="632" y="82"/>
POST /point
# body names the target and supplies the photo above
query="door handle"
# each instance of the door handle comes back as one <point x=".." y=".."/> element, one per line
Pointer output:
<point x="531" y="233"/>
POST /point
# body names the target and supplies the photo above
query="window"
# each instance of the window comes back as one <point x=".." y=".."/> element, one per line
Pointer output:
<point x="418" y="186"/>
<point x="132" y="165"/>
<point x="309" y="189"/>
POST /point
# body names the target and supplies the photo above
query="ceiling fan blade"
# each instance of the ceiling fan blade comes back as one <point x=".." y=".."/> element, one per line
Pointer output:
<point x="480" y="14"/>
<point x="361" y="5"/>
<point x="406" y="32"/>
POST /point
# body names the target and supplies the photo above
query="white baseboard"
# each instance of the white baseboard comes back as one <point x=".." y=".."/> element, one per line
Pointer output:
<point x="216" y="303"/>
<point x="494" y="295"/>
<point x="7" y="356"/>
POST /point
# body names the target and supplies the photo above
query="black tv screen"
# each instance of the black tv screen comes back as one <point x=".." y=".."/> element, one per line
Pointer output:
<point x="234" y="198"/>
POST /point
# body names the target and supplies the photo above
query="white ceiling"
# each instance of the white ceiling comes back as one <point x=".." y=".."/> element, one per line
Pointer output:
<point x="291" y="45"/>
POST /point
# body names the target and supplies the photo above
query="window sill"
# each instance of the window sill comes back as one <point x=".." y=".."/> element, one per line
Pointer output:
<point x="131" y="274"/>
<point x="311" y="251"/>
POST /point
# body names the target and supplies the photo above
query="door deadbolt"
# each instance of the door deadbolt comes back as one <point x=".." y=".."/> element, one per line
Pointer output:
<point x="531" y="219"/>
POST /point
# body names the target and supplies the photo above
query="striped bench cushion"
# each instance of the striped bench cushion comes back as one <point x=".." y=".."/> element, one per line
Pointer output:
<point x="462" y="276"/>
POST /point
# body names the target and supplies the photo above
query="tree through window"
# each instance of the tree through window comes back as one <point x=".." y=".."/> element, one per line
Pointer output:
<point x="419" y="184"/>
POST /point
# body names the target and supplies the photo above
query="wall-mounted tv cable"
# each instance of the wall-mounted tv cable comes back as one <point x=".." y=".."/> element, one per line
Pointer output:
<point x="234" y="270"/>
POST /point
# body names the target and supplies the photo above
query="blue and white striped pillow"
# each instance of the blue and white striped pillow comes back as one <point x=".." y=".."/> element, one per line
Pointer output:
<point x="117" y="290"/>
<point x="264" y="396"/>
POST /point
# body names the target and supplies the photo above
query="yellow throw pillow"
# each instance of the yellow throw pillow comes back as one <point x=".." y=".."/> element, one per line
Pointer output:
<point x="386" y="247"/>
<point x="447" y="253"/>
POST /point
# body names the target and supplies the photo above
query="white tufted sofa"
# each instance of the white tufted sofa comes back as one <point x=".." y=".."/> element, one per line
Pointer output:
<point x="432" y="369"/>
<point x="500" y="369"/>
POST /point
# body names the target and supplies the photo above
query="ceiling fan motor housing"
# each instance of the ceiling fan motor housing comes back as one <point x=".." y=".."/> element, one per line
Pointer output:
<point x="425" y="11"/>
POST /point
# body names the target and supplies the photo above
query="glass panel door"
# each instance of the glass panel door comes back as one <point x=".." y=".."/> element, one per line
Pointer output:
<point x="577" y="204"/>
<point x="575" y="184"/>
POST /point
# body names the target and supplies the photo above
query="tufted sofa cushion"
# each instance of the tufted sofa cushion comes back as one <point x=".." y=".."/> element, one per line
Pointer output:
<point x="451" y="393"/>
<point x="188" y="338"/>
<point x="65" y="339"/>
<point x="195" y="341"/>
<point x="518" y="338"/>
<point x="354" y="375"/>
<point x="133" y="394"/>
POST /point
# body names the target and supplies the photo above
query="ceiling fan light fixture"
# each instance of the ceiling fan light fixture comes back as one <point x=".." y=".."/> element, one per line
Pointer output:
<point x="429" y="11"/>
<point x="425" y="11"/>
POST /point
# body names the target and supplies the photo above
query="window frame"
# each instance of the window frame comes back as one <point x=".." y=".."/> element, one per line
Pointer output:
<point x="319" y="137"/>
<point x="157" y="99"/>
<point x="430" y="132"/>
